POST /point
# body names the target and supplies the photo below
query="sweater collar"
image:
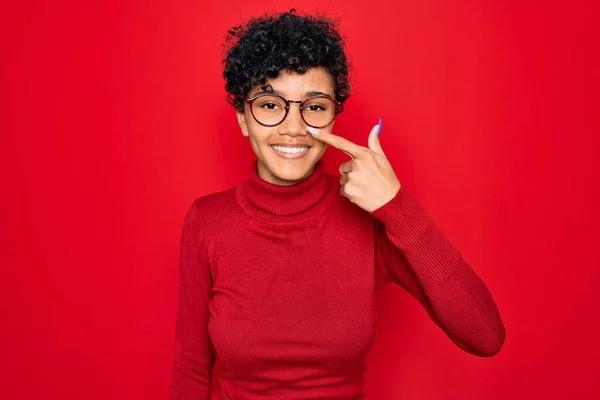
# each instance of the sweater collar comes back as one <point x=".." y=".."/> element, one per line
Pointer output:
<point x="285" y="203"/>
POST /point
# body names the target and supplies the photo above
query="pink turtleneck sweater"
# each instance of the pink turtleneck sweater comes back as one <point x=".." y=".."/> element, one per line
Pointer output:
<point x="277" y="287"/>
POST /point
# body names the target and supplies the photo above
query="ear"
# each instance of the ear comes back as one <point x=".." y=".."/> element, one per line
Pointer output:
<point x="241" y="117"/>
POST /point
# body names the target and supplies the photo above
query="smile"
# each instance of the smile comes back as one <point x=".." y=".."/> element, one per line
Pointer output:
<point x="290" y="152"/>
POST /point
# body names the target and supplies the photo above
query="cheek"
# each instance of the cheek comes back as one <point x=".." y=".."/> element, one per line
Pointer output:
<point x="320" y="148"/>
<point x="259" y="136"/>
<point x="259" y="133"/>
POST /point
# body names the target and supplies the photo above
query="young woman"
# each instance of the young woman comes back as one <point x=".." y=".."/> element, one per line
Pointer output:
<point x="279" y="274"/>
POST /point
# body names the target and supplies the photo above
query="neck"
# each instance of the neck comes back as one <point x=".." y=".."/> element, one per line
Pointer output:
<point x="296" y="201"/>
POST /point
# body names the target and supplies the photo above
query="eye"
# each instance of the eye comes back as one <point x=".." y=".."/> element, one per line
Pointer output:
<point x="269" y="103"/>
<point x="318" y="105"/>
<point x="269" y="106"/>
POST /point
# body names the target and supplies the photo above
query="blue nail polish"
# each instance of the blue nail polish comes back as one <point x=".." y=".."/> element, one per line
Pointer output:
<point x="379" y="127"/>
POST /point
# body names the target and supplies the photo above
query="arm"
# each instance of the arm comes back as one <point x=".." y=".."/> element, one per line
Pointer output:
<point x="194" y="355"/>
<point x="412" y="252"/>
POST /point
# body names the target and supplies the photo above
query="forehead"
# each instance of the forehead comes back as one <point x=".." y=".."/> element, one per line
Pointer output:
<point x="293" y="84"/>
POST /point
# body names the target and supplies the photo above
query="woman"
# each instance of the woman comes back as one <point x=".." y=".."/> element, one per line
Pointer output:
<point x="279" y="274"/>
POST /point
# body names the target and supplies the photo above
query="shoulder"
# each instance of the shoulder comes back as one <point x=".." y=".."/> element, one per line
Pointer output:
<point x="215" y="201"/>
<point x="214" y="204"/>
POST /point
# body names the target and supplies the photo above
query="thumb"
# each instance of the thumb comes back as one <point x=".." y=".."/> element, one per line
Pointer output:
<point x="374" y="143"/>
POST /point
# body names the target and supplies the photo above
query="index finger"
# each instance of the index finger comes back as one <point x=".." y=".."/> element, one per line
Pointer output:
<point x="340" y="143"/>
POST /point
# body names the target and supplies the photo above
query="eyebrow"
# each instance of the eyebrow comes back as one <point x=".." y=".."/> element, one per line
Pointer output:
<point x="279" y="93"/>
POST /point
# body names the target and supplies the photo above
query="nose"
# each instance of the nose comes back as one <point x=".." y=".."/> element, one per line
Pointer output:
<point x="293" y="124"/>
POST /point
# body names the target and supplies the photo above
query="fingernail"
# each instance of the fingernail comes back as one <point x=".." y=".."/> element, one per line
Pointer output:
<point x="313" y="131"/>
<point x="379" y="127"/>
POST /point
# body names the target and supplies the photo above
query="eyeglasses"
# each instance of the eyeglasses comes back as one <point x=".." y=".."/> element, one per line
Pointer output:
<point x="271" y="109"/>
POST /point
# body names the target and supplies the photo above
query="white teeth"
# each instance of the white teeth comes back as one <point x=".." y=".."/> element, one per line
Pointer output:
<point x="290" y="150"/>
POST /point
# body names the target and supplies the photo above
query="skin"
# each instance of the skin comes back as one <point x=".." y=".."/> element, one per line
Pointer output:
<point x="367" y="180"/>
<point x="271" y="167"/>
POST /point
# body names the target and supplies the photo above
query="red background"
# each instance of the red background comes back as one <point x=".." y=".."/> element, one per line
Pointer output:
<point x="113" y="119"/>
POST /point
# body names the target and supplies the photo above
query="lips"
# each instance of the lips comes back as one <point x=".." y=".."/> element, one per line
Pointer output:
<point x="291" y="145"/>
<point x="290" y="151"/>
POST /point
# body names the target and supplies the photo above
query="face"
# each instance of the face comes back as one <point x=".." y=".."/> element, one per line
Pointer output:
<point x="275" y="165"/>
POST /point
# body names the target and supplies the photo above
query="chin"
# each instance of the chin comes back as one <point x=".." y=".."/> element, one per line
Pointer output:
<point x="291" y="172"/>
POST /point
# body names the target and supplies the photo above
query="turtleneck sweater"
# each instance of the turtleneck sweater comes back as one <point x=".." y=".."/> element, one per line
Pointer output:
<point x="278" y="283"/>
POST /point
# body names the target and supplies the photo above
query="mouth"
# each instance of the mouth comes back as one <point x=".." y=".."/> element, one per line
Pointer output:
<point x="290" y="151"/>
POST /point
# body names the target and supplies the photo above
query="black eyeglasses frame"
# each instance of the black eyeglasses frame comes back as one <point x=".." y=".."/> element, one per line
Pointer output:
<point x="339" y="107"/>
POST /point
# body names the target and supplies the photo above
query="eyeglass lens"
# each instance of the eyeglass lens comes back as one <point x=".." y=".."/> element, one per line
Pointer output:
<point x="270" y="110"/>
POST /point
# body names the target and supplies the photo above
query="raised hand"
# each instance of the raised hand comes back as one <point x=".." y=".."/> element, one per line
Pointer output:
<point x="368" y="179"/>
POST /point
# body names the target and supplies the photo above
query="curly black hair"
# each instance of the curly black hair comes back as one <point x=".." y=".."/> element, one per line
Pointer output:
<point x="267" y="45"/>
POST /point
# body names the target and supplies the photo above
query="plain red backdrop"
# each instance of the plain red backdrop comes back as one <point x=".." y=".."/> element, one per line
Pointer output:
<point x="113" y="119"/>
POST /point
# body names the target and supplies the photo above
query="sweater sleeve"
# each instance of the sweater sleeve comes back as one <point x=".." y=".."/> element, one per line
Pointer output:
<point x="194" y="355"/>
<point x="412" y="252"/>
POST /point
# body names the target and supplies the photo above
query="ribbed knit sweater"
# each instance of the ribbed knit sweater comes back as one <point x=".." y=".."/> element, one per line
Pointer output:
<point x="278" y="284"/>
